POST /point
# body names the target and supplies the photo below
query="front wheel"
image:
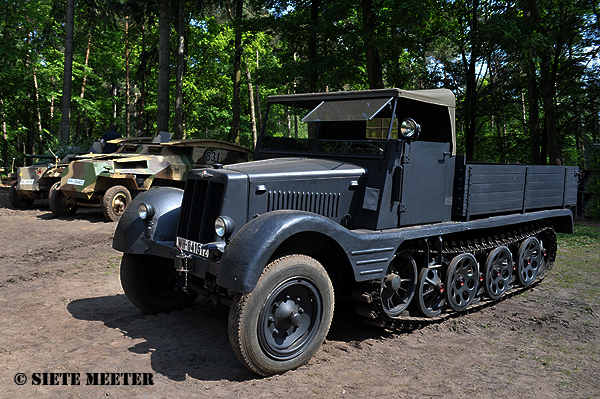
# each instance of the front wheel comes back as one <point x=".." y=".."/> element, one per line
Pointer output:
<point x="151" y="284"/>
<point x="281" y="324"/>
<point x="114" y="203"/>
<point x="59" y="203"/>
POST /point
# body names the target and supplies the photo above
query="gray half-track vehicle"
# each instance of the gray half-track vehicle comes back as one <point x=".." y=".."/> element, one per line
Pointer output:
<point x="360" y="194"/>
<point x="110" y="181"/>
<point x="34" y="182"/>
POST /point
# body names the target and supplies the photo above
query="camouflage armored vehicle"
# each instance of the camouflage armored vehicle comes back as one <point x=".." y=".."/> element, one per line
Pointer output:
<point x="34" y="182"/>
<point x="357" y="194"/>
<point x="111" y="180"/>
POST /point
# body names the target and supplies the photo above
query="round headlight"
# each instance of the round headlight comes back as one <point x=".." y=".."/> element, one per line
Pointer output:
<point x="409" y="129"/>
<point x="224" y="226"/>
<point x="145" y="211"/>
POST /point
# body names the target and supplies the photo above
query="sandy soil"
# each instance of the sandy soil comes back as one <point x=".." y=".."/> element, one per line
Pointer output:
<point x="62" y="310"/>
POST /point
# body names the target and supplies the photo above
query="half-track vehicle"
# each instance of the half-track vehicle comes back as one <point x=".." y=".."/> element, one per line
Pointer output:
<point x="111" y="180"/>
<point x="34" y="182"/>
<point x="352" y="194"/>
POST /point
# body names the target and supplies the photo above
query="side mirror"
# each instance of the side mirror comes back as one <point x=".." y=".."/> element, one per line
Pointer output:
<point x="409" y="129"/>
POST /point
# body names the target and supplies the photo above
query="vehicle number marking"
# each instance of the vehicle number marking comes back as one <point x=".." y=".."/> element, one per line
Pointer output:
<point x="193" y="247"/>
<point x="76" y="182"/>
<point x="27" y="181"/>
<point x="212" y="156"/>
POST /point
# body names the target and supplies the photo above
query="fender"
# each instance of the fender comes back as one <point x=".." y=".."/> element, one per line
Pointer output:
<point x="153" y="237"/>
<point x="249" y="251"/>
<point x="369" y="252"/>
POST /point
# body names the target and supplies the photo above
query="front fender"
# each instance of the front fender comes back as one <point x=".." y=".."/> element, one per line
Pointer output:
<point x="154" y="237"/>
<point x="249" y="251"/>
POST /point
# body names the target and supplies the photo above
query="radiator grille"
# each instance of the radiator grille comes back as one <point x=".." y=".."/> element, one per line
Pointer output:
<point x="200" y="207"/>
<point x="325" y="204"/>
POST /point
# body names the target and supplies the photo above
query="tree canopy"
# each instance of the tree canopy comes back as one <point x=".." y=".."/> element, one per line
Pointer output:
<point x="526" y="74"/>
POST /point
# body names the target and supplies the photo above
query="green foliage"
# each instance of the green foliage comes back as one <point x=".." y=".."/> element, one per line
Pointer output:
<point x="292" y="46"/>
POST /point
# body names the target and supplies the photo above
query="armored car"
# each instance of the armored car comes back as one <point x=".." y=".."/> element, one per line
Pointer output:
<point x="351" y="194"/>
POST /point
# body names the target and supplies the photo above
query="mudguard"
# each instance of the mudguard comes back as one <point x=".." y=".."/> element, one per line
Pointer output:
<point x="369" y="252"/>
<point x="156" y="236"/>
<point x="249" y="251"/>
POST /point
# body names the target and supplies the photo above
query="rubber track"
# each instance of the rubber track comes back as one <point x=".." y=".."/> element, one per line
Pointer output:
<point x="372" y="310"/>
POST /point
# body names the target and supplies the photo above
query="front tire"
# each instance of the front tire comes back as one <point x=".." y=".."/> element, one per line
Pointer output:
<point x="282" y="323"/>
<point x="114" y="202"/>
<point x="150" y="283"/>
<point x="59" y="203"/>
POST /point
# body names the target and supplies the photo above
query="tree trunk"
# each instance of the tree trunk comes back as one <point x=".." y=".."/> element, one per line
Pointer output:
<point x="252" y="109"/>
<point x="471" y="83"/>
<point x="82" y="94"/>
<point x="127" y="83"/>
<point x="178" y="129"/>
<point x="68" y="73"/>
<point x="374" y="68"/>
<point x="236" y="106"/>
<point x="313" y="72"/>
<point x="164" y="52"/>
<point x="534" y="117"/>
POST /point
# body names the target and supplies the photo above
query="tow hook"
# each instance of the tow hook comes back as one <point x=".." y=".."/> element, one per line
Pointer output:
<point x="184" y="263"/>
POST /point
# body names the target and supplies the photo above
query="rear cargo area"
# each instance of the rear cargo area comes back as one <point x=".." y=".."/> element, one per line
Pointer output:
<point x="491" y="189"/>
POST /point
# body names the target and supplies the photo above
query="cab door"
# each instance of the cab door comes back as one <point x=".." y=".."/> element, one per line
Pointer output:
<point x="427" y="173"/>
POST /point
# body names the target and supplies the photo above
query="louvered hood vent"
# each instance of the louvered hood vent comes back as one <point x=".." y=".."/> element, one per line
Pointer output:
<point x="325" y="204"/>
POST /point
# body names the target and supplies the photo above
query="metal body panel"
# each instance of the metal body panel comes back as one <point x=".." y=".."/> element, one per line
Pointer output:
<point x="487" y="189"/>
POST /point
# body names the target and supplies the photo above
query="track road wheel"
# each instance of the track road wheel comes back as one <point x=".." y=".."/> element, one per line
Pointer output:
<point x="462" y="281"/>
<point x="282" y="323"/>
<point x="151" y="284"/>
<point x="548" y="247"/>
<point x="398" y="285"/>
<point x="431" y="299"/>
<point x="16" y="200"/>
<point x="59" y="203"/>
<point x="498" y="272"/>
<point x="114" y="203"/>
<point x="529" y="260"/>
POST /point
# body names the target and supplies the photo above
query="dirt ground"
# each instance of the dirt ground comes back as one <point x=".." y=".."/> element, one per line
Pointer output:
<point x="62" y="310"/>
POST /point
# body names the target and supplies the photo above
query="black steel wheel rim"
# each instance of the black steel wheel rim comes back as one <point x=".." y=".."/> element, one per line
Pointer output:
<point x="498" y="272"/>
<point x="398" y="285"/>
<point x="162" y="281"/>
<point x="530" y="258"/>
<point x="462" y="281"/>
<point x="432" y="299"/>
<point x="290" y="318"/>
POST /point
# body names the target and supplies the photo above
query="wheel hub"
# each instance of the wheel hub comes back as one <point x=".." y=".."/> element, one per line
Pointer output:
<point x="393" y="282"/>
<point x="287" y="314"/>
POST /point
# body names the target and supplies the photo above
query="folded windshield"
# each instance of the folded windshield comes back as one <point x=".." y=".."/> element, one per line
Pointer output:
<point x="352" y="127"/>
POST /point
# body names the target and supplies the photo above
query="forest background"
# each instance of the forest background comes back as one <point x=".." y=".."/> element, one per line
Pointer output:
<point x="526" y="74"/>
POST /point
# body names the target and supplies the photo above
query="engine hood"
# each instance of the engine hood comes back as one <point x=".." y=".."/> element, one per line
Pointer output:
<point x="296" y="169"/>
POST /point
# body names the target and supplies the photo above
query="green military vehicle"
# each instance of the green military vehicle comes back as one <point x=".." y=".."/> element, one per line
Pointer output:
<point x="110" y="182"/>
<point x="34" y="182"/>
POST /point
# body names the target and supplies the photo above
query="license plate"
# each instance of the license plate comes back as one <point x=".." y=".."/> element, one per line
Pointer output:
<point x="26" y="182"/>
<point x="193" y="247"/>
<point x="76" y="182"/>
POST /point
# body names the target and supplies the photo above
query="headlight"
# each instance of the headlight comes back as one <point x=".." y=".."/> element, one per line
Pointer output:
<point x="224" y="226"/>
<point x="145" y="211"/>
<point x="409" y="129"/>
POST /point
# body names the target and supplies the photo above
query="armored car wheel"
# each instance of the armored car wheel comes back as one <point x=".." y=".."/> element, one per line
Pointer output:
<point x="529" y="260"/>
<point x="462" y="281"/>
<point x="16" y="200"/>
<point x="498" y="272"/>
<point x="151" y="284"/>
<point x="114" y="202"/>
<point x="398" y="285"/>
<point x="281" y="324"/>
<point x="431" y="300"/>
<point x="59" y="203"/>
